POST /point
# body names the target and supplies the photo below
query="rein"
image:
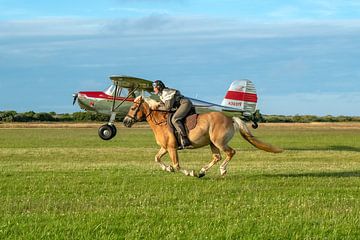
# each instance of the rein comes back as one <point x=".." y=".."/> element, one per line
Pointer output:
<point x="154" y="120"/>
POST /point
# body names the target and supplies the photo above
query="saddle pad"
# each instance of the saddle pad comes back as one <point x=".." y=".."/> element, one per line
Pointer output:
<point x="191" y="121"/>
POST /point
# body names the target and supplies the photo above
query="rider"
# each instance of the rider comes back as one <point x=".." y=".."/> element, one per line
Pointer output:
<point x="171" y="99"/>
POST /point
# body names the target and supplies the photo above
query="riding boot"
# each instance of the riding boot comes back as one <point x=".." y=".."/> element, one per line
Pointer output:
<point x="185" y="142"/>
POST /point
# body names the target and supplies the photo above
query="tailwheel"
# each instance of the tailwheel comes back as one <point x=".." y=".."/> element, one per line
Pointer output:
<point x="107" y="131"/>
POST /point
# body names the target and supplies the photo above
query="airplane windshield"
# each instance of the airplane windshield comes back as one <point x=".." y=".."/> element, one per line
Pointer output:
<point x="110" y="90"/>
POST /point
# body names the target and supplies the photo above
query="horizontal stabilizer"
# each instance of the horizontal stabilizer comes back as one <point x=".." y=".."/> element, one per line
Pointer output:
<point x="241" y="95"/>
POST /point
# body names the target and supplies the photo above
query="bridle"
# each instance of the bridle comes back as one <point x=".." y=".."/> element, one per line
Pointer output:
<point x="134" y="118"/>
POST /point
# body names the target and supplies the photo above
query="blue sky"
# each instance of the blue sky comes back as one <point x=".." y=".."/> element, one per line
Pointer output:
<point x="303" y="56"/>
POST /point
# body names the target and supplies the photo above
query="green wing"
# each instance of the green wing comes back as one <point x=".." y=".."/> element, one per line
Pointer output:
<point x="132" y="82"/>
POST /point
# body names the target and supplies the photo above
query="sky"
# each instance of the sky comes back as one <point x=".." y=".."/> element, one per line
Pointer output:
<point x="302" y="55"/>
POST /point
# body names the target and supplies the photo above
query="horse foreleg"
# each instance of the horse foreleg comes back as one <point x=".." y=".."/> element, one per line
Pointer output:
<point x="216" y="157"/>
<point x="174" y="158"/>
<point x="229" y="155"/>
<point x="175" y="161"/>
<point x="158" y="157"/>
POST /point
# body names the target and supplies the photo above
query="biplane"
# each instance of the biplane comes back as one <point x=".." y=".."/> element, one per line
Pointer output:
<point x="240" y="100"/>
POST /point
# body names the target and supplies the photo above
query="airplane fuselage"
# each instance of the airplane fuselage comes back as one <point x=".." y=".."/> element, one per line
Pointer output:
<point x="101" y="102"/>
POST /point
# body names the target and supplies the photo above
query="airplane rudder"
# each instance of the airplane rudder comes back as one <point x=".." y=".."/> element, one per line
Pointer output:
<point x="241" y="95"/>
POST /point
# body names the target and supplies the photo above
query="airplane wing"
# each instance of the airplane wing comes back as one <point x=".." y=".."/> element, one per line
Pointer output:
<point x="132" y="82"/>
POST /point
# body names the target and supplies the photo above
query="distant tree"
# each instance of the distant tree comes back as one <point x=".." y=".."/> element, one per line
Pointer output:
<point x="66" y="117"/>
<point x="30" y="114"/>
<point x="7" y="116"/>
<point x="43" y="117"/>
<point x="21" y="117"/>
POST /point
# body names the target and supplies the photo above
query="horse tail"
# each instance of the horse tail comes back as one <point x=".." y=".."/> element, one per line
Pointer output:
<point x="247" y="135"/>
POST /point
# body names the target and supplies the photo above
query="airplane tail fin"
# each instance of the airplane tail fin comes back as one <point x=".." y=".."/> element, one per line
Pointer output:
<point x="242" y="96"/>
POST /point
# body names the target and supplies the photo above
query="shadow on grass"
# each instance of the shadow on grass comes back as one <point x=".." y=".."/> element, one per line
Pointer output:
<point x="317" y="174"/>
<point x="331" y="148"/>
<point x="345" y="148"/>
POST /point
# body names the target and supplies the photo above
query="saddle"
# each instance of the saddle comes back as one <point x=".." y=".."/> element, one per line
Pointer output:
<point x="189" y="123"/>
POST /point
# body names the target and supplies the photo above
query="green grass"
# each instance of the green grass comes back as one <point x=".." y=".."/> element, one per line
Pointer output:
<point x="69" y="184"/>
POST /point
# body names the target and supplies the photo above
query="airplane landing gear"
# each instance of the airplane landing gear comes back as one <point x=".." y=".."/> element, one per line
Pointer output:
<point x="107" y="131"/>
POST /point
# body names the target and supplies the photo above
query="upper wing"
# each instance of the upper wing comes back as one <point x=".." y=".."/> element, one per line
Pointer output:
<point x="132" y="82"/>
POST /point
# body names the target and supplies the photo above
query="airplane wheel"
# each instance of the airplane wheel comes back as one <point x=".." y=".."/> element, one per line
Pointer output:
<point x="114" y="129"/>
<point x="107" y="131"/>
<point x="255" y="125"/>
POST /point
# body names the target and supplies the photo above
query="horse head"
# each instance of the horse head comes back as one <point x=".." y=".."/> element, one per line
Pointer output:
<point x="137" y="112"/>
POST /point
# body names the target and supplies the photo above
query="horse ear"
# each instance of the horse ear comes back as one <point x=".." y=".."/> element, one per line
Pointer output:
<point x="138" y="99"/>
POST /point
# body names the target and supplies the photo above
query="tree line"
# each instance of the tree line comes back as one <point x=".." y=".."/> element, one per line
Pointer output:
<point x="31" y="116"/>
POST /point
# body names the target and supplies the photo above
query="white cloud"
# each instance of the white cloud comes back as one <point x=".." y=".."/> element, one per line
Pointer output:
<point x="164" y="26"/>
<point x="281" y="57"/>
<point x="50" y="27"/>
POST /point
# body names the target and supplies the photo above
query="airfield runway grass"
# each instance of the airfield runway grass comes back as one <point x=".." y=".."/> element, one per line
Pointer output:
<point x="67" y="183"/>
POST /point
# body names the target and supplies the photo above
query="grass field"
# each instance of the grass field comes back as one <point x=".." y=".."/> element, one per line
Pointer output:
<point x="66" y="183"/>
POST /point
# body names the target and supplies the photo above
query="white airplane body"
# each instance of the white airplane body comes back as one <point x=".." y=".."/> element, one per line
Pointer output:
<point x="240" y="100"/>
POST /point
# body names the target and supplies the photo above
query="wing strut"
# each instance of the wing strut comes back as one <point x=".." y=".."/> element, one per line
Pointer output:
<point x="113" y="108"/>
<point x="130" y="93"/>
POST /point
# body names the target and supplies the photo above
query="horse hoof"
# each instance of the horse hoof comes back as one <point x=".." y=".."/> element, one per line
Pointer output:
<point x="193" y="174"/>
<point x="201" y="174"/>
<point x="190" y="173"/>
<point x="170" y="169"/>
<point x="223" y="172"/>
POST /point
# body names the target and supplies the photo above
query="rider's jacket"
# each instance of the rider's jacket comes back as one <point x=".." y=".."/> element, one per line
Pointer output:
<point x="170" y="98"/>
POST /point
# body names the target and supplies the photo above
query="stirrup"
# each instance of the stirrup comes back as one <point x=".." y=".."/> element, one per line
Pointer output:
<point x="181" y="147"/>
<point x="186" y="144"/>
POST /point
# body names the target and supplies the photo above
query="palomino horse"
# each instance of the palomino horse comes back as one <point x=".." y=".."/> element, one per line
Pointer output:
<point x="213" y="128"/>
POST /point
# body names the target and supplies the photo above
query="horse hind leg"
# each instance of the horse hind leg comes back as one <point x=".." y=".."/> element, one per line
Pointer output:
<point x="229" y="155"/>
<point x="216" y="157"/>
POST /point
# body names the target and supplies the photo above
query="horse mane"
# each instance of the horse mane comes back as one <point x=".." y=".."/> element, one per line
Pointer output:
<point x="137" y="99"/>
<point x="153" y="104"/>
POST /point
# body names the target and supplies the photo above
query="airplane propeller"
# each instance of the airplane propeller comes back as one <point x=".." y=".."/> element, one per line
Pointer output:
<point x="75" y="96"/>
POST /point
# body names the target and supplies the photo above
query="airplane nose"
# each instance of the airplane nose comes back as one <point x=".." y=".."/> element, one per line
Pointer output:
<point x="75" y="96"/>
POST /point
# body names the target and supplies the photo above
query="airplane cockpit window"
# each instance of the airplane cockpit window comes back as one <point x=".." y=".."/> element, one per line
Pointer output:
<point x="124" y="92"/>
<point x="146" y="94"/>
<point x="110" y="90"/>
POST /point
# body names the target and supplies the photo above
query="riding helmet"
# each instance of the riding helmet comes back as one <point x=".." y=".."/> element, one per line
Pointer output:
<point x="158" y="84"/>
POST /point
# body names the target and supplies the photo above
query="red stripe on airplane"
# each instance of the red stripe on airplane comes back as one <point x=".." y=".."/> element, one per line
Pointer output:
<point x="241" y="96"/>
<point x="102" y="95"/>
